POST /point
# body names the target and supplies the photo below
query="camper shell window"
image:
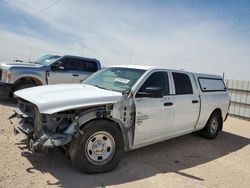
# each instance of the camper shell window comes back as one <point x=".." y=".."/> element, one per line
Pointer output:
<point x="211" y="84"/>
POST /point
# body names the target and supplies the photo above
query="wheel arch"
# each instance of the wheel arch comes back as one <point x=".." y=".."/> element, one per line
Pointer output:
<point x="28" y="79"/>
<point x="25" y="80"/>
<point x="219" y="112"/>
<point x="100" y="114"/>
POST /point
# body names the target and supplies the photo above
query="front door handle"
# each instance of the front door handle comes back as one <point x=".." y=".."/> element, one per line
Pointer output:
<point x="75" y="75"/>
<point x="195" y="101"/>
<point x="168" y="104"/>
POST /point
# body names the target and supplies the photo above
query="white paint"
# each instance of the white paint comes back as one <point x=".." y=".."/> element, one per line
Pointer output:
<point x="154" y="121"/>
<point x="54" y="98"/>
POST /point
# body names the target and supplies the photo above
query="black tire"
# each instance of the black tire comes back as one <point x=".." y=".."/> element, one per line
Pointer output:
<point x="19" y="87"/>
<point x="213" y="126"/>
<point x="24" y="86"/>
<point x="80" y="154"/>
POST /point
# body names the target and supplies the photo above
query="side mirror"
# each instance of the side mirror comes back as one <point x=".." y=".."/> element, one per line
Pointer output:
<point x="150" y="92"/>
<point x="60" y="68"/>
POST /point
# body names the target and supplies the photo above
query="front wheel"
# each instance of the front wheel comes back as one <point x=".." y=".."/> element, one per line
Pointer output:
<point x="21" y="86"/>
<point x="99" y="149"/>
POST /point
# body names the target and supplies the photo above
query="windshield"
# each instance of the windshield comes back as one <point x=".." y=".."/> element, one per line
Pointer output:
<point x="114" y="78"/>
<point x="45" y="60"/>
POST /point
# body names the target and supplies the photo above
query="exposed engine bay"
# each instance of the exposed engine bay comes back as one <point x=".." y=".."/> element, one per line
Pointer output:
<point x="55" y="130"/>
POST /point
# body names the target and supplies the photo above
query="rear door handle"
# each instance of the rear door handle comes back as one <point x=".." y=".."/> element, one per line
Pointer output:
<point x="75" y="75"/>
<point x="168" y="104"/>
<point x="195" y="101"/>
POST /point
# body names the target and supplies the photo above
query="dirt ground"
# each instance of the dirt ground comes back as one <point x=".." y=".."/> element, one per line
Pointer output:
<point x="187" y="161"/>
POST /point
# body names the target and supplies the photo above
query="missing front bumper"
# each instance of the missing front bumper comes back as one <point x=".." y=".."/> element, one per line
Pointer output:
<point x="47" y="140"/>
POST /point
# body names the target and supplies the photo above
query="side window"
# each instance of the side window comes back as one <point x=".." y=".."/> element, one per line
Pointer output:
<point x="157" y="79"/>
<point x="182" y="84"/>
<point x="79" y="65"/>
<point x="90" y="66"/>
<point x="84" y="65"/>
<point x="211" y="84"/>
<point x="69" y="64"/>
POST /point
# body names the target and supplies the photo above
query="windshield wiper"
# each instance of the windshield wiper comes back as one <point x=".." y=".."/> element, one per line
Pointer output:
<point x="101" y="87"/>
<point x="34" y="62"/>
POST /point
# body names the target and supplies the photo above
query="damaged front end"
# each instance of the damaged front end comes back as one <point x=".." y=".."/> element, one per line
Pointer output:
<point x="43" y="130"/>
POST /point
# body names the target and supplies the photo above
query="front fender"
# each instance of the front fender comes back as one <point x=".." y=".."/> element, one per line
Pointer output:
<point x="19" y="77"/>
<point x="98" y="114"/>
<point x="88" y="115"/>
<point x="37" y="73"/>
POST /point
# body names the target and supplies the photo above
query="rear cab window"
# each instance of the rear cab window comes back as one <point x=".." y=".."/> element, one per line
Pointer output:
<point x="211" y="84"/>
<point x="88" y="66"/>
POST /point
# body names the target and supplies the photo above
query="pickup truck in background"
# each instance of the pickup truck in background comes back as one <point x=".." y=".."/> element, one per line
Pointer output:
<point x="49" y="69"/>
<point x="117" y="109"/>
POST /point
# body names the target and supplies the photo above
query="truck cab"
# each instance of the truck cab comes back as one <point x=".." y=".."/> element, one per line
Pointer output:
<point x="120" y="108"/>
<point x="71" y="69"/>
<point x="182" y="107"/>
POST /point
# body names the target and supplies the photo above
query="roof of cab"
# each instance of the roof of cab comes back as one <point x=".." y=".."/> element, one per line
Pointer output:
<point x="80" y="57"/>
<point x="145" y="67"/>
<point x="142" y="67"/>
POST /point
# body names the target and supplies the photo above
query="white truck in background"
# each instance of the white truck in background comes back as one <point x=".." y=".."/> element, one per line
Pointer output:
<point x="120" y="108"/>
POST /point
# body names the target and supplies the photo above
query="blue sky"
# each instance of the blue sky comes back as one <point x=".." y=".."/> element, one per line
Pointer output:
<point x="202" y="36"/>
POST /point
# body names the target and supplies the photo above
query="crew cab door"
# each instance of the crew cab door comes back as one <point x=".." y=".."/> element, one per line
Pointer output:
<point x="154" y="109"/>
<point x="187" y="102"/>
<point x="70" y="70"/>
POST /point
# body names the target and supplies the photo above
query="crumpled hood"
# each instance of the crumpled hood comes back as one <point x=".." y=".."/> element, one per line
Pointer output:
<point x="55" y="98"/>
<point x="21" y="64"/>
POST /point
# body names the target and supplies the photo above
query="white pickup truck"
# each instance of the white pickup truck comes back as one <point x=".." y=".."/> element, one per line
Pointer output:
<point x="120" y="108"/>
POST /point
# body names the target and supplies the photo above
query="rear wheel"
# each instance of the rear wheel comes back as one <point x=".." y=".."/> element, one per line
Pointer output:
<point x="99" y="149"/>
<point x="212" y="127"/>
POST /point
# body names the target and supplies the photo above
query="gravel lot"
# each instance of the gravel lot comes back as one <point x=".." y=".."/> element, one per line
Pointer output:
<point x="187" y="161"/>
